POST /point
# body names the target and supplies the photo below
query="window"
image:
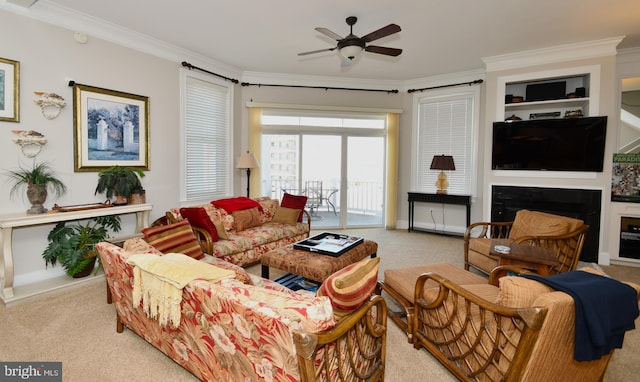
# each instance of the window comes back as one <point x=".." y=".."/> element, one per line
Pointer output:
<point x="447" y="124"/>
<point x="207" y="137"/>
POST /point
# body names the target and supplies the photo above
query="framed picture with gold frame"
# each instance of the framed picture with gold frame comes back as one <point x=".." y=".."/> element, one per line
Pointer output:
<point x="9" y="90"/>
<point x="110" y="128"/>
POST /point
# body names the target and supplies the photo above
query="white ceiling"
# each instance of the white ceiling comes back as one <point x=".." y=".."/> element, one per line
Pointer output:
<point x="438" y="37"/>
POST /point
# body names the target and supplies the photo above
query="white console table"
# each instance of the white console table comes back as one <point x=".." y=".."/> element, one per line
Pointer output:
<point x="8" y="222"/>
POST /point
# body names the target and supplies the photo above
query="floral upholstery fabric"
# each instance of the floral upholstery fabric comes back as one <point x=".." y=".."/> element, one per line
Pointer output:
<point x="316" y="266"/>
<point x="229" y="331"/>
<point x="245" y="247"/>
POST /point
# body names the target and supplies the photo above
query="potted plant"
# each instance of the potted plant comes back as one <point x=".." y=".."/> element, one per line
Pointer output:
<point x="119" y="181"/>
<point x="73" y="246"/>
<point x="38" y="180"/>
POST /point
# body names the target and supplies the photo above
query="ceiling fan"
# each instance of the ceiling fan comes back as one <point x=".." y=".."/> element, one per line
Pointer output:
<point x="352" y="46"/>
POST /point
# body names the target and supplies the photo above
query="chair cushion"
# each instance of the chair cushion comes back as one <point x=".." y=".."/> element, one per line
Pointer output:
<point x="536" y="223"/>
<point x="403" y="280"/>
<point x="349" y="288"/>
<point x="297" y="202"/>
<point x="177" y="237"/>
<point x="286" y="215"/>
<point x="247" y="218"/>
<point x="198" y="217"/>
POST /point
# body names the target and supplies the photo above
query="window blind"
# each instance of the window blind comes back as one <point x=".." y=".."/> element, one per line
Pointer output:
<point x="445" y="126"/>
<point x="207" y="140"/>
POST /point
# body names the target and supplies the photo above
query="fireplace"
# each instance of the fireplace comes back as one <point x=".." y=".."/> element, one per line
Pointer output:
<point x="576" y="203"/>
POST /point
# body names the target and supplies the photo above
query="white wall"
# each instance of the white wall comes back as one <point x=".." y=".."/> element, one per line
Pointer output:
<point x="49" y="55"/>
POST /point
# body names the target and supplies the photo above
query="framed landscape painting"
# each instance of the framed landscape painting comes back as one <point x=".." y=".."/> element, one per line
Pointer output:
<point x="111" y="128"/>
<point x="9" y="90"/>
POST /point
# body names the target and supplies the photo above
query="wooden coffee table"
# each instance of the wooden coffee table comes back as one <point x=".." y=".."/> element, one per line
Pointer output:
<point x="311" y="265"/>
<point x="540" y="259"/>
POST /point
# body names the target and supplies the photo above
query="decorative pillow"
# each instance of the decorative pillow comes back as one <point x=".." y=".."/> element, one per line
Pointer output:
<point x="236" y="204"/>
<point x="222" y="233"/>
<point x="297" y="202"/>
<point x="286" y="215"/>
<point x="137" y="245"/>
<point x="349" y="288"/>
<point x="177" y="237"/>
<point x="246" y="219"/>
<point x="198" y="217"/>
<point x="241" y="273"/>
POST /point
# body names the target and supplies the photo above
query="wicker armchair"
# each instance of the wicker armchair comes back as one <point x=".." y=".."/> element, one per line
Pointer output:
<point x="473" y="332"/>
<point x="354" y="350"/>
<point x="564" y="235"/>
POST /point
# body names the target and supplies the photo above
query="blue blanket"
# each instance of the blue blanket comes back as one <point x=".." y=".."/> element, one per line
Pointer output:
<point x="605" y="310"/>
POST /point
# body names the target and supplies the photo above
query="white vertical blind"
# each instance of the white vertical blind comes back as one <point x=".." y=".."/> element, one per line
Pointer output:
<point x="445" y="126"/>
<point x="207" y="140"/>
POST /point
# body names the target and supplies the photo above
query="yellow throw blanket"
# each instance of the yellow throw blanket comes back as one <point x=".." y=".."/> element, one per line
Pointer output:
<point x="158" y="282"/>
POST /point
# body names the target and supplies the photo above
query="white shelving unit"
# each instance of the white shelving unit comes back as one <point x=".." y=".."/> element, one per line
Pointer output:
<point x="587" y="77"/>
<point x="8" y="223"/>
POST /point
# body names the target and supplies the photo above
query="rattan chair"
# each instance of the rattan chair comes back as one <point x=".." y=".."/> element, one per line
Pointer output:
<point x="478" y="339"/>
<point x="567" y="240"/>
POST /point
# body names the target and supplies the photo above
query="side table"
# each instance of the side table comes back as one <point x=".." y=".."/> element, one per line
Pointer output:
<point x="540" y="259"/>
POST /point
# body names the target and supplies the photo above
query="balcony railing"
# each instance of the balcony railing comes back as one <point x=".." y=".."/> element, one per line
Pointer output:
<point x="362" y="197"/>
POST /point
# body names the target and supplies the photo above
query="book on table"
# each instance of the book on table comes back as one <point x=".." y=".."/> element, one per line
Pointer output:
<point x="328" y="243"/>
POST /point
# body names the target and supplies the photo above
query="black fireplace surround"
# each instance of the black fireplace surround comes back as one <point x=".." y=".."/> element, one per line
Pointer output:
<point x="576" y="203"/>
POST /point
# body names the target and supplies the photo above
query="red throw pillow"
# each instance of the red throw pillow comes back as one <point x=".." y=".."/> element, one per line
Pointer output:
<point x="198" y="217"/>
<point x="296" y="202"/>
<point x="236" y="204"/>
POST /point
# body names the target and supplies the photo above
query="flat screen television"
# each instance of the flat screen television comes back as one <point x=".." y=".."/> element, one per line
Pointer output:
<point x="569" y="144"/>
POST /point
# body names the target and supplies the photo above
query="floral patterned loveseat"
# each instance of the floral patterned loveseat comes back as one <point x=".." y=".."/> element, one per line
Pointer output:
<point x="231" y="330"/>
<point x="245" y="246"/>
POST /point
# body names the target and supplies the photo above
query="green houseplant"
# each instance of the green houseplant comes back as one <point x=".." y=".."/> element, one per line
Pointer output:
<point x="73" y="246"/>
<point x="119" y="181"/>
<point x="38" y="179"/>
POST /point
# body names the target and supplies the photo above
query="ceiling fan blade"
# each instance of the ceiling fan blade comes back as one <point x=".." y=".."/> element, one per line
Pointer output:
<point x="382" y="32"/>
<point x="329" y="33"/>
<point x="316" y="51"/>
<point x="383" y="50"/>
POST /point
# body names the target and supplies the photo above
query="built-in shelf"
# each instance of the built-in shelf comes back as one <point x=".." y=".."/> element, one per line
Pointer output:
<point x="8" y="223"/>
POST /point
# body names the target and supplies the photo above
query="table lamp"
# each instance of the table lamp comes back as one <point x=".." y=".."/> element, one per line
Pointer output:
<point x="442" y="163"/>
<point x="248" y="161"/>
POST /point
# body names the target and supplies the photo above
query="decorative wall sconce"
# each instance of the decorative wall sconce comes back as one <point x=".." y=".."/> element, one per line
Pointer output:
<point x="50" y="103"/>
<point x="30" y="142"/>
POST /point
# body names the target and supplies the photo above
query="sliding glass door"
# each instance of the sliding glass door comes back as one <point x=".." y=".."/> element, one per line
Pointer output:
<point x="337" y="162"/>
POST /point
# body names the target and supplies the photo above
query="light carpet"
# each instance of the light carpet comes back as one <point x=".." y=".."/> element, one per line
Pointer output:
<point x="76" y="326"/>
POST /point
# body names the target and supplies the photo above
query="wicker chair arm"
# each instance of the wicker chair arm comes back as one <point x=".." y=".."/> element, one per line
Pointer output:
<point x="474" y="338"/>
<point x="356" y="346"/>
<point x="308" y="216"/>
<point x="503" y="270"/>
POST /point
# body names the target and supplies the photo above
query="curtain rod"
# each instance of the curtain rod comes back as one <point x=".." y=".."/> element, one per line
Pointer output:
<point x="445" y="86"/>
<point x="323" y="87"/>
<point x="188" y="65"/>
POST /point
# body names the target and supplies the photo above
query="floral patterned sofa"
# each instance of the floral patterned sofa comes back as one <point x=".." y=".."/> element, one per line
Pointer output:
<point x="239" y="244"/>
<point x="230" y="330"/>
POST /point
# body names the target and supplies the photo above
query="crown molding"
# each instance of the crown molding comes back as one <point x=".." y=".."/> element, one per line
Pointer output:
<point x="560" y="53"/>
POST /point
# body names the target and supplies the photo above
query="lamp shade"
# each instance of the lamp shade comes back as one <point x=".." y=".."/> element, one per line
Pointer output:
<point x="248" y="160"/>
<point x="443" y="162"/>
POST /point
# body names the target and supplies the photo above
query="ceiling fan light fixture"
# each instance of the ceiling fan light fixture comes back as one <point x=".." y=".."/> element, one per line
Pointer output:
<point x="351" y="47"/>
